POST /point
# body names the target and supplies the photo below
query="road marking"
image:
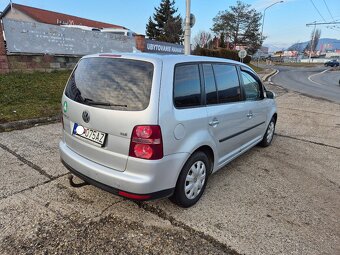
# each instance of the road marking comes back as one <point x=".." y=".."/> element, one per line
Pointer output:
<point x="310" y="77"/>
<point x="270" y="78"/>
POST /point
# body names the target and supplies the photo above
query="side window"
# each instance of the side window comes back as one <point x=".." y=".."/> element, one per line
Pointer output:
<point x="252" y="88"/>
<point x="187" y="86"/>
<point x="227" y="83"/>
<point x="210" y="86"/>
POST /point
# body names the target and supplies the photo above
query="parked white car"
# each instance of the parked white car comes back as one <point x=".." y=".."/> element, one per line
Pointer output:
<point x="82" y="27"/>
<point x="145" y="126"/>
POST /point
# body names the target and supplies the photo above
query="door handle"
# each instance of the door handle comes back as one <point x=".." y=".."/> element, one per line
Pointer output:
<point x="214" y="122"/>
<point x="250" y="114"/>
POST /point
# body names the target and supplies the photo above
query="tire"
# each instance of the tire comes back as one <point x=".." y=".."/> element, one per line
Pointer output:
<point x="268" y="136"/>
<point x="190" y="178"/>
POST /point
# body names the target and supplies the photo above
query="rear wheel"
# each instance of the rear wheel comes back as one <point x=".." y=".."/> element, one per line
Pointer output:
<point x="268" y="137"/>
<point x="192" y="180"/>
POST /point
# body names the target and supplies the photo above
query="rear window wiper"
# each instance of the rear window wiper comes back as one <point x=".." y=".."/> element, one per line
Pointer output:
<point x="91" y="102"/>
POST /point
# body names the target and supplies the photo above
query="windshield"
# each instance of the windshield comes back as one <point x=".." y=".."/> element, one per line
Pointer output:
<point x="112" y="83"/>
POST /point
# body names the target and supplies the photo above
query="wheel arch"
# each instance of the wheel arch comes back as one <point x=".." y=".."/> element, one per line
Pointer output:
<point x="210" y="154"/>
<point x="275" y="117"/>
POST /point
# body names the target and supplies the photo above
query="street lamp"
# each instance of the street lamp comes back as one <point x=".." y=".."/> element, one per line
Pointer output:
<point x="264" y="14"/>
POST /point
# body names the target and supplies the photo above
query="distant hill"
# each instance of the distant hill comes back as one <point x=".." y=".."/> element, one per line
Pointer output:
<point x="324" y="44"/>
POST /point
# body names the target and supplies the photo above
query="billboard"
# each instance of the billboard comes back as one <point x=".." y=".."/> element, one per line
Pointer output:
<point x="163" y="47"/>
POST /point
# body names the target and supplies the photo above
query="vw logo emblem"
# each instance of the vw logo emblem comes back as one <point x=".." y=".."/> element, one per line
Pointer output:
<point x="86" y="116"/>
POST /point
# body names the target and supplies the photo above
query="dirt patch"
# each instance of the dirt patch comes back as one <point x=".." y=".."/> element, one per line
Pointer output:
<point x="278" y="90"/>
<point x="108" y="235"/>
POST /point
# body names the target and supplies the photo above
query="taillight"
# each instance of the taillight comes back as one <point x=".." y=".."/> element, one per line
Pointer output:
<point x="146" y="142"/>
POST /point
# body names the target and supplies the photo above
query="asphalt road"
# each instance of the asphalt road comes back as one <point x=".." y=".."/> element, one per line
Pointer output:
<point x="313" y="81"/>
<point x="283" y="199"/>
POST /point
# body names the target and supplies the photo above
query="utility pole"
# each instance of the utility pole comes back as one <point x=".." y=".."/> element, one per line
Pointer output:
<point x="312" y="43"/>
<point x="313" y="38"/>
<point x="187" y="30"/>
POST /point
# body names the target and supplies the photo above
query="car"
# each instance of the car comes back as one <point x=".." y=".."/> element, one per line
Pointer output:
<point x="332" y="63"/>
<point x="82" y="27"/>
<point x="147" y="126"/>
<point x="119" y="31"/>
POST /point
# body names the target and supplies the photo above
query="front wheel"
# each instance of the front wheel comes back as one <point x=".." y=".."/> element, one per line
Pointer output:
<point x="192" y="180"/>
<point x="268" y="136"/>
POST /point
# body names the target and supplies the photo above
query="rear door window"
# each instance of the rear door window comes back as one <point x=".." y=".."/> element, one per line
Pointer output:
<point x="187" y="86"/>
<point x="209" y="83"/>
<point x="112" y="83"/>
<point x="227" y="82"/>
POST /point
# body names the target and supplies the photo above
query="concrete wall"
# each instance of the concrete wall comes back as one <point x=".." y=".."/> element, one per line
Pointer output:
<point x="40" y="38"/>
<point x="314" y="60"/>
<point x="30" y="63"/>
<point x="27" y="62"/>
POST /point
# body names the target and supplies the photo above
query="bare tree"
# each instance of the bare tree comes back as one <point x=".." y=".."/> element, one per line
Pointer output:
<point x="314" y="40"/>
<point x="202" y="39"/>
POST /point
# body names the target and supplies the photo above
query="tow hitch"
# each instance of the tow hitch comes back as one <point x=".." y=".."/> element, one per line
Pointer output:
<point x="76" y="185"/>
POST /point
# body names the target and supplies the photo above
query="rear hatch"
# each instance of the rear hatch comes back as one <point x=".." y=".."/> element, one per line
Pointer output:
<point x="105" y="97"/>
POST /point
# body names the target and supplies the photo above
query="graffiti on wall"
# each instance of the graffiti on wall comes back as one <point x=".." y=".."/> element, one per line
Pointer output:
<point x="39" y="38"/>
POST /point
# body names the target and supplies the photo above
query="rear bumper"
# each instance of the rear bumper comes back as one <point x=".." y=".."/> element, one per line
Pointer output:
<point x="140" y="197"/>
<point x="147" y="179"/>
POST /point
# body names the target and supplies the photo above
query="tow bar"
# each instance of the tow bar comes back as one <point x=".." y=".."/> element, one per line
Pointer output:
<point x="76" y="185"/>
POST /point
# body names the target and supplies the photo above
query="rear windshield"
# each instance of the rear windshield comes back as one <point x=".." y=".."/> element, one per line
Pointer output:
<point x="112" y="83"/>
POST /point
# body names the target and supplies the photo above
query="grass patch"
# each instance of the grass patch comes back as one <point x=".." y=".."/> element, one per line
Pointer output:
<point x="31" y="95"/>
<point x="299" y="64"/>
<point x="256" y="69"/>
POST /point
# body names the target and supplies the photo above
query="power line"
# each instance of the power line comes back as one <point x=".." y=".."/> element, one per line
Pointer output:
<point x="318" y="11"/>
<point x="328" y="10"/>
<point x="322" y="23"/>
<point x="335" y="28"/>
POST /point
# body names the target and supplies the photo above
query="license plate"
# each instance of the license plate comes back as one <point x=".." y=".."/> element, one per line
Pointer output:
<point x="89" y="134"/>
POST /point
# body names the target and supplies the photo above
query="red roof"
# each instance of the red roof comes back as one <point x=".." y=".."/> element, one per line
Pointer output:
<point x="56" y="18"/>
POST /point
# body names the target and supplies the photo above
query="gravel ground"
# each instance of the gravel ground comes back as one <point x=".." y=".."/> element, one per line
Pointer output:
<point x="283" y="199"/>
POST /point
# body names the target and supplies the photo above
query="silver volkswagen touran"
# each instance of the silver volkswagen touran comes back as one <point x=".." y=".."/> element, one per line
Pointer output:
<point x="146" y="126"/>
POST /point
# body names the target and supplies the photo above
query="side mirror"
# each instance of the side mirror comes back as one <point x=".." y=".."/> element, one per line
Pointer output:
<point x="270" y="94"/>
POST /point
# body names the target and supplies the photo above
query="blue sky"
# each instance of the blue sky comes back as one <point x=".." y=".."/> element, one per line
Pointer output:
<point x="285" y="23"/>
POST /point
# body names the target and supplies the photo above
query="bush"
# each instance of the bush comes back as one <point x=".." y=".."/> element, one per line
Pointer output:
<point x="220" y="53"/>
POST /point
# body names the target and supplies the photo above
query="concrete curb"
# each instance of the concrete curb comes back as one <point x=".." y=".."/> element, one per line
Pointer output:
<point x="264" y="78"/>
<point x="22" y="124"/>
